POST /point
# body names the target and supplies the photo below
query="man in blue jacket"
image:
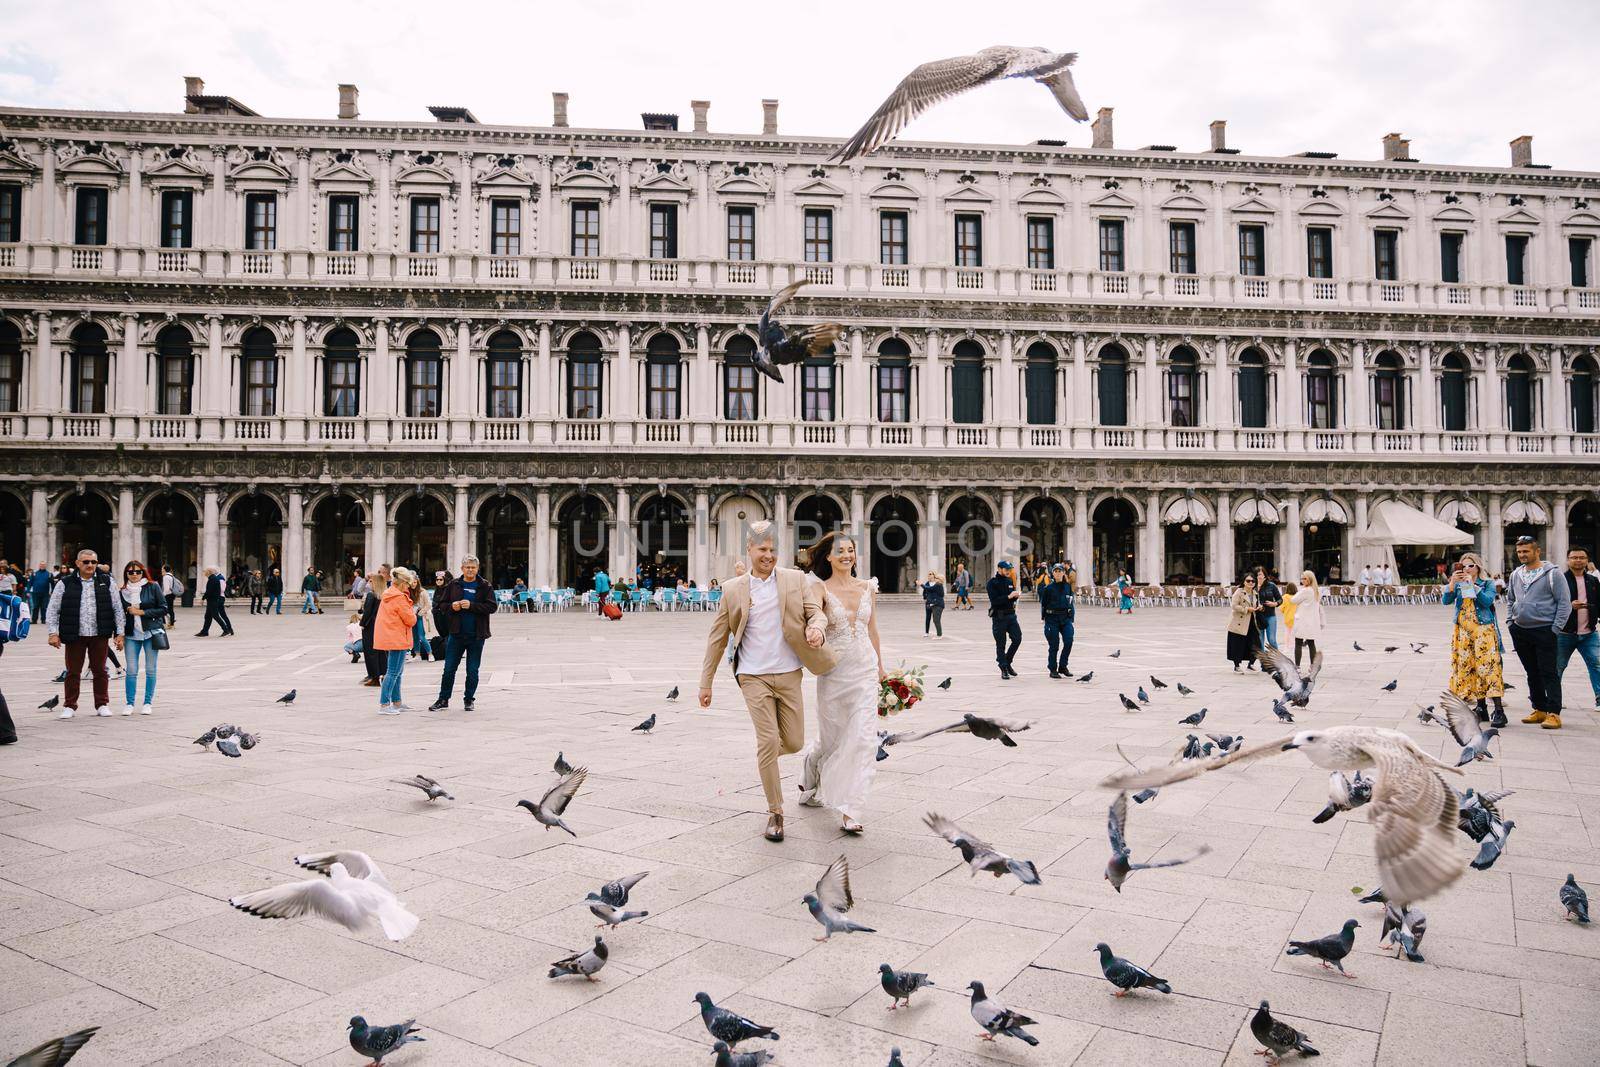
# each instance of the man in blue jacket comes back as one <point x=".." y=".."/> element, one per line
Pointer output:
<point x="39" y="590"/>
<point x="1057" y="608"/>
<point x="1003" y="618"/>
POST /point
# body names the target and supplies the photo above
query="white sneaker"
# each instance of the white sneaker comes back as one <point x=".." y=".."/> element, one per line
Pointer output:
<point x="66" y="713"/>
<point x="388" y="709"/>
<point x="128" y="710"/>
<point x="104" y="711"/>
<point x="148" y="709"/>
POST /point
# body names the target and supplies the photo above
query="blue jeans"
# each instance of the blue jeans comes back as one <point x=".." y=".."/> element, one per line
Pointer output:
<point x="456" y="646"/>
<point x="135" y="649"/>
<point x="419" y="639"/>
<point x="1587" y="646"/>
<point x="1269" y="631"/>
<point x="275" y="601"/>
<point x="309" y="604"/>
<point x="389" y="691"/>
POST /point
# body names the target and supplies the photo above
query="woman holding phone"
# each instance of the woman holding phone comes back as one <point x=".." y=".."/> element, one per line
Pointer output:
<point x="1476" y="668"/>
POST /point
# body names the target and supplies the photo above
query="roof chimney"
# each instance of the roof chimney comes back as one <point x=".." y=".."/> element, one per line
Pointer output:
<point x="1102" y="129"/>
<point x="1219" y="136"/>
<point x="347" y="102"/>
<point x="192" y="86"/>
<point x="561" y="109"/>
<point x="769" y="118"/>
<point x="1522" y="151"/>
<point x="1396" y="147"/>
<point x="700" y="107"/>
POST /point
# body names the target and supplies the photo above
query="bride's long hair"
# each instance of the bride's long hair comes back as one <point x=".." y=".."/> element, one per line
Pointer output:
<point x="821" y="565"/>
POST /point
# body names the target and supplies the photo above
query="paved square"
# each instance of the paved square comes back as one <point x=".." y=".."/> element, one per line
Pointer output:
<point x="120" y="842"/>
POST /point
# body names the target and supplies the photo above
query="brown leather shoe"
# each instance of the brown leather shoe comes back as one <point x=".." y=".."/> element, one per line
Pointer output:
<point x="774" y="827"/>
<point x="373" y="682"/>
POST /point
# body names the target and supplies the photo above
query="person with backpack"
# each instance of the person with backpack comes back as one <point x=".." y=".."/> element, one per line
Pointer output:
<point x="14" y="625"/>
<point x="86" y="617"/>
<point x="171" y="590"/>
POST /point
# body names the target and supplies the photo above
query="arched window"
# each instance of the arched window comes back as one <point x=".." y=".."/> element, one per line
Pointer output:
<point x="1322" y="391"/>
<point x="1453" y="392"/>
<point x="966" y="383"/>
<point x="1519" y="394"/>
<point x="424" y="375"/>
<point x="1183" y="384"/>
<point x="1252" y="389"/>
<point x="341" y="374"/>
<point x="1113" y="382"/>
<point x="258" y="374"/>
<point x="584" y="367"/>
<point x="740" y="397"/>
<point x="10" y="365"/>
<point x="1388" y="392"/>
<point x="663" y="377"/>
<point x="90" y="370"/>
<point x="894" y="380"/>
<point x="503" y="377"/>
<point x="1040" y="384"/>
<point x="175" y="371"/>
<point x="1583" y="389"/>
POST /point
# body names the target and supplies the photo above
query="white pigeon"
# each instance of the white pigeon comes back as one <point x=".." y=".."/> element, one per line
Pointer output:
<point x="354" y="894"/>
<point x="1414" y="812"/>
<point x="943" y="78"/>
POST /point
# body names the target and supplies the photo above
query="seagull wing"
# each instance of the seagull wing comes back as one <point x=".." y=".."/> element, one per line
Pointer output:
<point x="555" y="801"/>
<point x="782" y="297"/>
<point x="1066" y="93"/>
<point x="1281" y="668"/>
<point x="1116" y="823"/>
<point x="1459" y="717"/>
<point x="1182" y="772"/>
<point x="317" y="896"/>
<point x="358" y="864"/>
<point x="920" y="90"/>
<point x="1414" y="814"/>
<point x="833" y="888"/>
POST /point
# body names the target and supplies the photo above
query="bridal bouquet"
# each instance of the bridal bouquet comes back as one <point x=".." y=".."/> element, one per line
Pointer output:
<point x="900" y="689"/>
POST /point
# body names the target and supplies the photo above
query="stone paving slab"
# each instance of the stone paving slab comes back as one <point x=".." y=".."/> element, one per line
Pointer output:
<point x="120" y="842"/>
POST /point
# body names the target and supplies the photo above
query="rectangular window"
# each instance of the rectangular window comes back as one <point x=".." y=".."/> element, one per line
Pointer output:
<point x="344" y="218"/>
<point x="742" y="233"/>
<point x="10" y="212"/>
<point x="425" y="225"/>
<point x="1253" y="251"/>
<point x="90" y="223"/>
<point x="177" y="385"/>
<point x="663" y="231"/>
<point x="10" y="378"/>
<point x="1516" y="259"/>
<point x="583" y="389"/>
<point x="422" y="387"/>
<point x="816" y="392"/>
<point x="739" y="391"/>
<point x="1180" y="396"/>
<point x="1386" y="395"/>
<point x="894" y="392"/>
<point x="969" y="240"/>
<point x="89" y="396"/>
<point x="1253" y="397"/>
<point x="1180" y="238"/>
<point x="1039" y="382"/>
<point x="966" y="392"/>
<point x="1319" y="400"/>
<point x="1111" y="245"/>
<point x="261" y="221"/>
<point x="1577" y="254"/>
<point x="661" y="390"/>
<point x="177" y="219"/>
<point x="892" y="227"/>
<point x="505" y="238"/>
<point x="818" y="235"/>
<point x="505" y="388"/>
<point x="343" y="399"/>
<point x="1319" y="252"/>
<point x="585" y="228"/>
<point x="260" y="388"/>
<point x="1041" y="234"/>
<point x="1386" y="255"/>
<point x="1450" y="257"/>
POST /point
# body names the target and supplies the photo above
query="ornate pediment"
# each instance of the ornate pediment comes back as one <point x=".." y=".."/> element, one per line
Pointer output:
<point x="1320" y="208"/>
<point x="663" y="176"/>
<point x="1253" y="205"/>
<point x="174" y="161"/>
<point x="1389" y="212"/>
<point x="968" y="194"/>
<point x="342" y="166"/>
<point x="505" y="174"/>
<point x="1581" y="218"/>
<point x="89" y="159"/>
<point x="747" y="178"/>
<point x="15" y="163"/>
<point x="819" y="187"/>
<point x="1113" y="200"/>
<point x="894" y="190"/>
<point x="1454" y="213"/>
<point x="1042" y="196"/>
<point x="1518" y="217"/>
<point x="1183" y="202"/>
<point x="425" y="168"/>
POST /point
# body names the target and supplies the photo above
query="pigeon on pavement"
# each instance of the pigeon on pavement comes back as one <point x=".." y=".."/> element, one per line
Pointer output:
<point x="1296" y="689"/>
<point x="1157" y="683"/>
<point x="1126" y="703"/>
<point x="354" y="894"/>
<point x="432" y="788"/>
<point x="726" y="1057"/>
<point x="56" y="1051"/>
<point x="776" y="346"/>
<point x="1190" y="749"/>
<point x="616" y="893"/>
<point x="1194" y="720"/>
<point x="51" y="705"/>
<point x="586" y="963"/>
<point x="986" y="728"/>
<point x="1126" y="975"/>
<point x="1391" y="686"/>
<point x="831" y="900"/>
<point x="979" y="854"/>
<point x="1344" y="793"/>
<point x="562" y="766"/>
<point x="1328" y="950"/>
<point x="1278" y="1037"/>
<point x="1184" y="690"/>
<point x="1403" y="928"/>
<point x="610" y="916"/>
<point x="894" y="1058"/>
<point x="207" y="739"/>
<point x="1492" y="845"/>
<point x="725" y="1025"/>
<point x="1144" y="698"/>
<point x="380" y="1041"/>
<point x="1085" y="677"/>
<point x="287" y="698"/>
<point x="1118" y="868"/>
<point x="996" y="1018"/>
<point x="1462" y="723"/>
<point x="1357" y="645"/>
<point x="1281" y="710"/>
<point x="1391" y="648"/>
<point x="229" y="746"/>
<point x="1116" y="653"/>
<point x="1227" y="742"/>
<point x="674" y="694"/>
<point x="646" y="726"/>
<point x="901" y="984"/>
<point x="555" y="800"/>
<point x="945" y="684"/>
<point x="248" y="740"/>
<point x="1575" y="900"/>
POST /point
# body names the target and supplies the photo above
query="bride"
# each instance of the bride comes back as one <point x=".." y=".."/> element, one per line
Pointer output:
<point x="839" y="765"/>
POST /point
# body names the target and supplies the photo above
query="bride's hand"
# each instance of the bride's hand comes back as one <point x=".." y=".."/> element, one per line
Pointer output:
<point x="882" y="674"/>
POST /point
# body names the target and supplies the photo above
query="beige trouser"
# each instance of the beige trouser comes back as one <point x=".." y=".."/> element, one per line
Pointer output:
<point x="779" y="717"/>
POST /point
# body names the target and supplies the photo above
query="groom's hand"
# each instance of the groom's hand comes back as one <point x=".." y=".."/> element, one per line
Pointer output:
<point x="814" y="637"/>
<point x="705" y="698"/>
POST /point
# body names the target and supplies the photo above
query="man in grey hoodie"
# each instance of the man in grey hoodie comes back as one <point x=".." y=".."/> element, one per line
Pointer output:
<point x="1539" y="605"/>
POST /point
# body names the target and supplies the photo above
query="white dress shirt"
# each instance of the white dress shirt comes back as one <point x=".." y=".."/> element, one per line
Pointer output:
<point x="762" y="649"/>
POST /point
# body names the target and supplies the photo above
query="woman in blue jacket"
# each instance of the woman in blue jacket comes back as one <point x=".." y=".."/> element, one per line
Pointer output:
<point x="1477" y="672"/>
<point x="933" y="604"/>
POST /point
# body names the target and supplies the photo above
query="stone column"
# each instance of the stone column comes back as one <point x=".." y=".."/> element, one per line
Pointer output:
<point x="700" y="554"/>
<point x="130" y="371"/>
<point x="463" y="376"/>
<point x="294" y="535"/>
<point x="1005" y="393"/>
<point x="1151" y="387"/>
<point x="214" y="375"/>
<point x="39" y="546"/>
<point x="858" y="515"/>
<point x="541" y="545"/>
<point x="300" y="384"/>
<point x="1150" y="567"/>
<point x="377" y="547"/>
<point x="857" y="389"/>
<point x="780" y="520"/>
<point x="1557" y="408"/>
<point x="622" y="382"/>
<point x="1491" y="408"/>
<point x="1494" y="535"/>
<point x="1221" y="387"/>
<point x="1294" y="538"/>
<point x="1005" y="543"/>
<point x="1356" y="529"/>
<point x="1081" y="387"/>
<point x="702" y="388"/>
<point x="1083" y="541"/>
<point x="45" y="396"/>
<point x="210" y="530"/>
<point x="1220" y="558"/>
<point x="1427" y="401"/>
<point x="622" y="557"/>
<point x="933" y="535"/>
<point x="1289" y="391"/>
<point x="541" y="384"/>
<point x="379" y="380"/>
<point x="933" y="386"/>
<point x="459" y="528"/>
<point x="1360" y="404"/>
<point x="124" y="537"/>
<point x="1557" y="539"/>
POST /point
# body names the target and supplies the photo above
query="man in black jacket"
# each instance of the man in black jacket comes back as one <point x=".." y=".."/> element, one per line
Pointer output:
<point x="85" y="614"/>
<point x="1058" y="610"/>
<point x="461" y="610"/>
<point x="1579" y="635"/>
<point x="216" y="605"/>
<point x="1003" y="617"/>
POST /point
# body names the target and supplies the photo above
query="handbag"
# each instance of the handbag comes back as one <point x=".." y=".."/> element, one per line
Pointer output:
<point x="159" y="640"/>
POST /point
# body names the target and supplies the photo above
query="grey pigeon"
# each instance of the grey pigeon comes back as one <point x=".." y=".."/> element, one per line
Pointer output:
<point x="1375" y="897"/>
<point x="996" y="1018"/>
<point x="1427" y="715"/>
<point x="562" y="766"/>
<point x="979" y="854"/>
<point x="1403" y="928"/>
<point x="1345" y="792"/>
<point x="1194" y="720"/>
<point x="1227" y="743"/>
<point x="883" y="753"/>
<point x="1118" y="868"/>
<point x="1278" y="1037"/>
<point x="726" y="1057"/>
<point x="207" y="739"/>
<point x="1144" y="698"/>
<point x="1281" y="710"/>
<point x="432" y="788"/>
<point x="616" y="893"/>
<point x="776" y="346"/>
<point x="1328" y="950"/>
<point x="1478" y="811"/>
<point x="1296" y="688"/>
<point x="1085" y="677"/>
<point x="555" y="800"/>
<point x="1462" y="723"/>
<point x="1126" y="975"/>
<point x="1575" y="900"/>
<point x="646" y="726"/>
<point x="380" y="1041"/>
<point x="226" y="729"/>
<point x="1490" y="848"/>
<point x="1391" y="648"/>
<point x="900" y="984"/>
<point x="1184" y="690"/>
<point x="287" y="698"/>
<point x="228" y="746"/>
<point x="1357" y="646"/>
<point x="587" y="963"/>
<point x="610" y="916"/>
<point x="1116" y="653"/>
<point x="1126" y="703"/>
<point x="56" y="1051"/>
<point x="945" y="684"/>
<point x="1391" y="686"/>
<point x="1145" y="794"/>
<point x="987" y="728"/>
<point x="248" y="740"/>
<point x="61" y="677"/>
<point x="832" y="899"/>
<point x="674" y="694"/>
<point x="1191" y="748"/>
<point x="725" y="1025"/>
<point x="1157" y="683"/>
<point x="51" y="705"/>
<point x="894" y="1058"/>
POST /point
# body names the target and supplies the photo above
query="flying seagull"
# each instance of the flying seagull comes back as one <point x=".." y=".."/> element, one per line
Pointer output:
<point x="56" y="1051"/>
<point x="287" y="698"/>
<point x="777" y="346"/>
<point x="996" y="1018"/>
<point x="555" y="800"/>
<point x="354" y="894"/>
<point x="901" y="984"/>
<point x="1118" y="868"/>
<point x="933" y="82"/>
<point x="379" y="1041"/>
<point x="831" y="900"/>
<point x="434" y="790"/>
<point x="1278" y="1037"/>
<point x="1414" y="812"/>
<point x="979" y="854"/>
<point x="979" y="726"/>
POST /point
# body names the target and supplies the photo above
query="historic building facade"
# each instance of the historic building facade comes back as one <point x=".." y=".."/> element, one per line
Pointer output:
<point x="326" y="343"/>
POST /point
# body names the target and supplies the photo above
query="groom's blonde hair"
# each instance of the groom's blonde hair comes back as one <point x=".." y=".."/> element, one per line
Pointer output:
<point x="760" y="533"/>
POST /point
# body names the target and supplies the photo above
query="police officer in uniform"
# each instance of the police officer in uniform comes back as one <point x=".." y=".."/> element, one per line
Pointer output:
<point x="1003" y="617"/>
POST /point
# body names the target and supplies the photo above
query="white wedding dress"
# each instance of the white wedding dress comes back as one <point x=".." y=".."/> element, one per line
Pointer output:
<point x="840" y="763"/>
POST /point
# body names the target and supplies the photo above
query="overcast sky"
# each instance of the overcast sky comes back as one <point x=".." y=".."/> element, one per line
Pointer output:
<point x="1460" y="79"/>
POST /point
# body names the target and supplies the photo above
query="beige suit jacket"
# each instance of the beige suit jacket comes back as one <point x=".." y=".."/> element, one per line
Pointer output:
<point x="801" y="603"/>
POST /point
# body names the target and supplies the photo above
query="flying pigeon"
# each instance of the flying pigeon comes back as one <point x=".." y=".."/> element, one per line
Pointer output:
<point x="1478" y="811"/>
<point x="354" y="894"/>
<point x="979" y="854"/>
<point x="1157" y="682"/>
<point x="1460" y="719"/>
<point x="883" y="753"/>
<point x="646" y="726"/>
<point x="725" y="1025"/>
<point x="1403" y="928"/>
<point x="55" y="1052"/>
<point x="1328" y="950"/>
<point x="1184" y="690"/>
<point x="610" y="916"/>
<point x="555" y="800"/>
<point x="1418" y="646"/>
<point x="1278" y="1037"/>
<point x="380" y="1041"/>
<point x="901" y="984"/>
<point x="1391" y="686"/>
<point x="616" y="893"/>
<point x="1227" y="742"/>
<point x="434" y="790"/>
<point x="1085" y="677"/>
<point x="562" y="766"/>
<point x="1118" y="868"/>
<point x="1493" y="843"/>
<point x="674" y="694"/>
<point x="51" y="705"/>
<point x="229" y="746"/>
<point x="979" y="726"/>
<point x="1116" y="653"/>
<point x="1414" y="812"/>
<point x="1126" y="703"/>
<point x="248" y="740"/>
<point x="1281" y="710"/>
<point x="945" y="684"/>
<point x="1575" y="900"/>
<point x="586" y="963"/>
<point x="1377" y="896"/>
<point x="996" y="1018"/>
<point x="1391" y="648"/>
<point x="1144" y="698"/>
<point x="1125" y="975"/>
<point x="832" y="899"/>
<point x="1194" y="720"/>
<point x="1344" y="793"/>
<point x="1357" y="645"/>
<point x="226" y="729"/>
<point x="1427" y="715"/>
<point x="776" y="346"/>
<point x="941" y="79"/>
<point x="1190" y="749"/>
<point x="1296" y="689"/>
<point x="287" y="698"/>
<point x="1145" y="794"/>
<point x="726" y="1057"/>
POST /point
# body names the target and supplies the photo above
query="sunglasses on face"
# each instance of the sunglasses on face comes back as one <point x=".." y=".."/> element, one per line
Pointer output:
<point x="135" y="570"/>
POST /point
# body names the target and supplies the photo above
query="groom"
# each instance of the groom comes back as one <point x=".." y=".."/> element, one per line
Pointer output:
<point x="775" y="623"/>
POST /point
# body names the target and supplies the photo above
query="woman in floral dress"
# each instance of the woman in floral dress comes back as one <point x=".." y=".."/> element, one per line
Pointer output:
<point x="1476" y="667"/>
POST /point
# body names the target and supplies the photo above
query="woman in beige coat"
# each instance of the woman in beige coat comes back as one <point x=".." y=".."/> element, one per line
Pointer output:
<point x="1242" y="623"/>
<point x="1307" y="616"/>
